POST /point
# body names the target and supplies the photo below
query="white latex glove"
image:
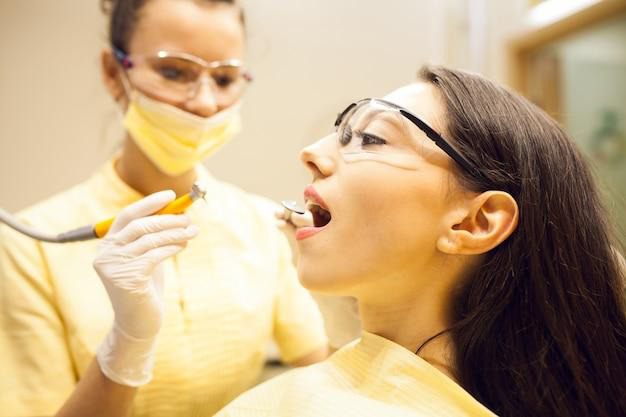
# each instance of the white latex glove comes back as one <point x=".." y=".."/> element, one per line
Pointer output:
<point x="288" y="221"/>
<point x="128" y="263"/>
<point x="340" y="314"/>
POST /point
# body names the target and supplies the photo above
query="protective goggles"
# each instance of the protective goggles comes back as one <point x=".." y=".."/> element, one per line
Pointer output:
<point x="178" y="77"/>
<point x="378" y="130"/>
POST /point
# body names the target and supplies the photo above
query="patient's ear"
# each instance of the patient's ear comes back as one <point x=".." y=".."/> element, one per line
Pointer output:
<point x="486" y="221"/>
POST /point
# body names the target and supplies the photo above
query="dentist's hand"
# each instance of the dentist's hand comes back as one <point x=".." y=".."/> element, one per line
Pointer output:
<point x="341" y="314"/>
<point x="287" y="221"/>
<point x="128" y="263"/>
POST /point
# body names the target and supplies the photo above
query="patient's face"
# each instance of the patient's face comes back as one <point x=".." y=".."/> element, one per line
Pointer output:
<point x="385" y="214"/>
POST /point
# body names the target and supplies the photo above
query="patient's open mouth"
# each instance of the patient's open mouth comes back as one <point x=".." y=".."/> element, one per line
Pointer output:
<point x="319" y="210"/>
<point x="321" y="217"/>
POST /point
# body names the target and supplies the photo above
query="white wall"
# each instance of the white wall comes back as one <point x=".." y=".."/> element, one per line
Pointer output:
<point x="309" y="58"/>
<point x="52" y="109"/>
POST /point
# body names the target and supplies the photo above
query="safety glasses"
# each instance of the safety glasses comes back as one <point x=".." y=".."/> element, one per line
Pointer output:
<point x="178" y="77"/>
<point x="376" y="129"/>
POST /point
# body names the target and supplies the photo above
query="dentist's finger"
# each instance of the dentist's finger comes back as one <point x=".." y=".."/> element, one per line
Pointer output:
<point x="152" y="224"/>
<point x="301" y="220"/>
<point x="142" y="208"/>
<point x="163" y="238"/>
<point x="292" y="218"/>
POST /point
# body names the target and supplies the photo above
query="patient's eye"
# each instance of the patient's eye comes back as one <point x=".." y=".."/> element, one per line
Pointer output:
<point x="369" y="139"/>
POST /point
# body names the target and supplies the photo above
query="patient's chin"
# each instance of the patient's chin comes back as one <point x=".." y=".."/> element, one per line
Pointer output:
<point x="320" y="279"/>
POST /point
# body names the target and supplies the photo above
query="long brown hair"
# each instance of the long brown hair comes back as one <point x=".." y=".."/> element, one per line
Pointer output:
<point x="541" y="326"/>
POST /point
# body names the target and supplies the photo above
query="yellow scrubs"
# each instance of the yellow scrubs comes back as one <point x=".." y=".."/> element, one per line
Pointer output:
<point x="227" y="295"/>
<point x="369" y="377"/>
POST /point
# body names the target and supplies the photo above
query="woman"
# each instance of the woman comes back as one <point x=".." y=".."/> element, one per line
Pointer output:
<point x="174" y="68"/>
<point x="481" y="259"/>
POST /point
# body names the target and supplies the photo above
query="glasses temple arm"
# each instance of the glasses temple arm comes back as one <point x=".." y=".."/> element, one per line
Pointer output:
<point x="442" y="143"/>
<point x="122" y="57"/>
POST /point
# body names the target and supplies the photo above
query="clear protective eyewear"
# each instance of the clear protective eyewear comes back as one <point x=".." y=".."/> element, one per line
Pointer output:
<point x="378" y="130"/>
<point x="178" y="77"/>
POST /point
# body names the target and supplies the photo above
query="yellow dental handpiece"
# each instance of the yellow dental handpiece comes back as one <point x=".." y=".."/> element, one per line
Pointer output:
<point x="177" y="206"/>
<point x="100" y="229"/>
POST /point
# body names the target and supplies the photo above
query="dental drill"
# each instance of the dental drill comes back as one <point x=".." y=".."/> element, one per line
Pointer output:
<point x="98" y="230"/>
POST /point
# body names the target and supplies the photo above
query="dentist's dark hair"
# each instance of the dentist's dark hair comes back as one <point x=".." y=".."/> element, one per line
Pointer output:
<point x="123" y="16"/>
<point x="540" y="327"/>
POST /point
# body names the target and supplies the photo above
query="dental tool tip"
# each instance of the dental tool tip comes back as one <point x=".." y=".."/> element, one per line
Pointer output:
<point x="292" y="206"/>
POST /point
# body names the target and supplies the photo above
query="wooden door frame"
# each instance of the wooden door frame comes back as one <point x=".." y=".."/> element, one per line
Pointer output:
<point x="532" y="40"/>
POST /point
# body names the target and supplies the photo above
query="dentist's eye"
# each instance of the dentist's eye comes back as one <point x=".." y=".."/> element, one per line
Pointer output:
<point x="170" y="73"/>
<point x="179" y="75"/>
<point x="369" y="139"/>
<point x="223" y="81"/>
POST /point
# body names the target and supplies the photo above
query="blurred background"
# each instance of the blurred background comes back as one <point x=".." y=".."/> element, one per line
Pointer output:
<point x="310" y="59"/>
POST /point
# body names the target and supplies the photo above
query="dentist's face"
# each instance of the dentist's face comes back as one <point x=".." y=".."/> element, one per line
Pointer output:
<point x="378" y="220"/>
<point x="211" y="32"/>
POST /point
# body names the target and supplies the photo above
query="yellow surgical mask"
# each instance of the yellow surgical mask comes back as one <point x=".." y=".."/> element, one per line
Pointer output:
<point x="176" y="140"/>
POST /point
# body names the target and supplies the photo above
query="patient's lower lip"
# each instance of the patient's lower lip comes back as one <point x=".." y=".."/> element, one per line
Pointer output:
<point x="304" y="232"/>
